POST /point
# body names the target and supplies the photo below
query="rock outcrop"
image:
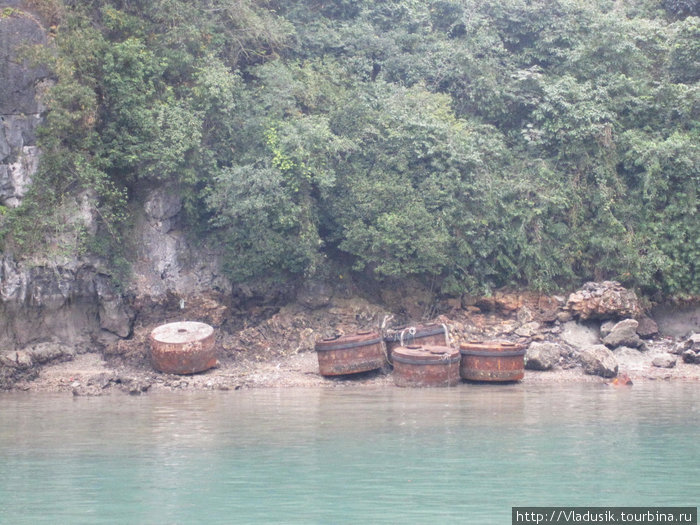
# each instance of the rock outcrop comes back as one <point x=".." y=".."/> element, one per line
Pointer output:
<point x="72" y="305"/>
<point x="598" y="360"/>
<point x="603" y="300"/>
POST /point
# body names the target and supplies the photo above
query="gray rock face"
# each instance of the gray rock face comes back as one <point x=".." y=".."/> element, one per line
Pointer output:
<point x="167" y="260"/>
<point x="624" y="333"/>
<point x="20" y="106"/>
<point x="71" y="305"/>
<point x="314" y="294"/>
<point x="664" y="361"/>
<point x="677" y="321"/>
<point x="598" y="360"/>
<point x="542" y="356"/>
<point x="580" y="335"/>
<point x="604" y="300"/>
<point x="114" y="315"/>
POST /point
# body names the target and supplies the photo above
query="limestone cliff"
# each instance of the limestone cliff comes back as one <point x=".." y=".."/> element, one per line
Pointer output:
<point x="71" y="299"/>
<point x="20" y="104"/>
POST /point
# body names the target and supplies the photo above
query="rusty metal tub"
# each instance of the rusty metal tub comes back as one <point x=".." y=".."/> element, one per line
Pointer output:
<point x="185" y="347"/>
<point x="492" y="361"/>
<point x="350" y="354"/>
<point x="427" y="334"/>
<point x="426" y="366"/>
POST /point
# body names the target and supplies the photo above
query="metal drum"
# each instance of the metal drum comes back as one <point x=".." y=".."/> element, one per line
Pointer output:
<point x="426" y="366"/>
<point x="350" y="354"/>
<point x="184" y="347"/>
<point x="492" y="361"/>
<point x="427" y="334"/>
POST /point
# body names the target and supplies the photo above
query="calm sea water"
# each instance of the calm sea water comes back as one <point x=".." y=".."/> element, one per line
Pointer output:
<point x="464" y="455"/>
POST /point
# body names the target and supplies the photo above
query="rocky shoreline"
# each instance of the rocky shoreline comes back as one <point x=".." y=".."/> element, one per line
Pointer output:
<point x="591" y="337"/>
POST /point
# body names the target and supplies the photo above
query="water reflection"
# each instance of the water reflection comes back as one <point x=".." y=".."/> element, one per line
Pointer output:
<point x="345" y="455"/>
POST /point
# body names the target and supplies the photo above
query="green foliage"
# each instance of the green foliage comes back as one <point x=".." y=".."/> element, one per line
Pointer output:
<point x="263" y="227"/>
<point x="473" y="144"/>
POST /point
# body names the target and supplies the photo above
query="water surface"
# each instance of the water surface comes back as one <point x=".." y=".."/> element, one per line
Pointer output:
<point x="384" y="455"/>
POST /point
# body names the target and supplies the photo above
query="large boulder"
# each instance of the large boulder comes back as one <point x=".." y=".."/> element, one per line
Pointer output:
<point x="623" y="333"/>
<point x="542" y="356"/>
<point x="580" y="335"/>
<point x="647" y="327"/>
<point x="598" y="360"/>
<point x="603" y="300"/>
<point x="691" y="349"/>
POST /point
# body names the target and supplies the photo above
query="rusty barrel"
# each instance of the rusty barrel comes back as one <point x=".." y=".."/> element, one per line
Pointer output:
<point x="426" y="366"/>
<point x="492" y="361"/>
<point x="422" y="334"/>
<point x="350" y="354"/>
<point x="185" y="347"/>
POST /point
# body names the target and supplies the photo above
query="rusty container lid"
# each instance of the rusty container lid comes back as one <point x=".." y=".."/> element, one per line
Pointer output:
<point x="181" y="332"/>
<point x="492" y="348"/>
<point x="414" y="332"/>
<point x="348" y="341"/>
<point x="184" y="347"/>
<point x="426" y="355"/>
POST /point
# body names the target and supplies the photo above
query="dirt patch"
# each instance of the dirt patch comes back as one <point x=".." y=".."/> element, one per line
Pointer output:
<point x="278" y="351"/>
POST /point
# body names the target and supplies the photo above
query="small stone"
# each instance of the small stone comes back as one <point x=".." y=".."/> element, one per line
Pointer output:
<point x="528" y="329"/>
<point x="689" y="356"/>
<point x="542" y="356"/>
<point x="580" y="335"/>
<point x="692" y="343"/>
<point x="623" y="333"/>
<point x="564" y="317"/>
<point x="598" y="360"/>
<point x="549" y="316"/>
<point x="606" y="328"/>
<point x="647" y="327"/>
<point x="525" y="315"/>
<point x="45" y="352"/>
<point x="23" y="360"/>
<point x="664" y="361"/>
<point x="678" y="349"/>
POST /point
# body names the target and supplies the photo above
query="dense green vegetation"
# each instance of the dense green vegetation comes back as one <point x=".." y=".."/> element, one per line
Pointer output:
<point x="475" y="144"/>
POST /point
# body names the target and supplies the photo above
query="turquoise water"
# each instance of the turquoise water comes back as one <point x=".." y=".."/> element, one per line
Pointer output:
<point x="389" y="455"/>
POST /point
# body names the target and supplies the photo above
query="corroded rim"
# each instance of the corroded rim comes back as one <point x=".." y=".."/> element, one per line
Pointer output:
<point x="181" y="332"/>
<point x="420" y="331"/>
<point x="344" y="343"/>
<point x="409" y="361"/>
<point x="426" y="354"/>
<point x="492" y="353"/>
